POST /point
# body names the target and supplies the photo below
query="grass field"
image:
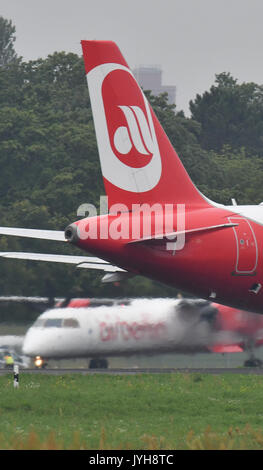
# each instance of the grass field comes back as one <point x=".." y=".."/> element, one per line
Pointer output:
<point x="165" y="411"/>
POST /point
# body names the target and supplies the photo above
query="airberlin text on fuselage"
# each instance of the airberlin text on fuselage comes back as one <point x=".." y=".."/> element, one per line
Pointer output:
<point x="122" y="330"/>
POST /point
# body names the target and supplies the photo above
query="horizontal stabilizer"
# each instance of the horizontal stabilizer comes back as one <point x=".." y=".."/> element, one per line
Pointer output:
<point x="169" y="236"/>
<point x="117" y="276"/>
<point x="52" y="258"/>
<point x="103" y="267"/>
<point x="34" y="233"/>
<point x="88" y="262"/>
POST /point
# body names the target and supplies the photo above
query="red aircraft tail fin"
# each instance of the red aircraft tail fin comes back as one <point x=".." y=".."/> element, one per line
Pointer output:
<point x="139" y="164"/>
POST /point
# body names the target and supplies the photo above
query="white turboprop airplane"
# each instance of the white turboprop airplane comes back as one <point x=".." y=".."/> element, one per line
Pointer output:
<point x="110" y="328"/>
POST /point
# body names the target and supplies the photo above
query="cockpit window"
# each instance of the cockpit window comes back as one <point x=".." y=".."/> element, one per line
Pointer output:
<point x="70" y="323"/>
<point x="53" y="322"/>
<point x="39" y="322"/>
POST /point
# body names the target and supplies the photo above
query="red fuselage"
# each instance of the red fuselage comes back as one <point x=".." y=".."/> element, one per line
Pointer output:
<point x="223" y="264"/>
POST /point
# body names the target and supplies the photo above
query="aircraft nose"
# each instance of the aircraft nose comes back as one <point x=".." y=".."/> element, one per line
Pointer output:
<point x="34" y="344"/>
<point x="30" y="348"/>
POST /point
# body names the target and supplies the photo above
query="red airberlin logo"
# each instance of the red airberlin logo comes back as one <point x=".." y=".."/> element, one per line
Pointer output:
<point x="137" y="132"/>
<point x="125" y="129"/>
<point x="129" y="131"/>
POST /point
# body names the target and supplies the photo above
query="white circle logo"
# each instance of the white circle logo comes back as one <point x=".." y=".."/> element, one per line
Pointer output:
<point x="127" y="143"/>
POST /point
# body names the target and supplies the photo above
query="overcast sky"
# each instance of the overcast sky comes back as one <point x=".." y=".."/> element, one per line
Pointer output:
<point x="192" y="40"/>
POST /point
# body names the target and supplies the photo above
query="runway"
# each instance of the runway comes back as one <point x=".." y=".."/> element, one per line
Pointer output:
<point x="133" y="371"/>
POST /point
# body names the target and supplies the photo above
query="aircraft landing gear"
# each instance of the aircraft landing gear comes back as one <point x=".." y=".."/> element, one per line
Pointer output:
<point x="99" y="363"/>
<point x="253" y="362"/>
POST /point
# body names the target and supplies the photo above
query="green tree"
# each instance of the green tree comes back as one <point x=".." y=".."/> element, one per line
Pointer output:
<point x="230" y="114"/>
<point x="7" y="40"/>
<point x="234" y="174"/>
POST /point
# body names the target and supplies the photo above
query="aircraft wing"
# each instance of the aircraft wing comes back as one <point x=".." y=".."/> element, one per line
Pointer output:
<point x="60" y="235"/>
<point x="88" y="262"/>
<point x="34" y="233"/>
<point x="27" y="300"/>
